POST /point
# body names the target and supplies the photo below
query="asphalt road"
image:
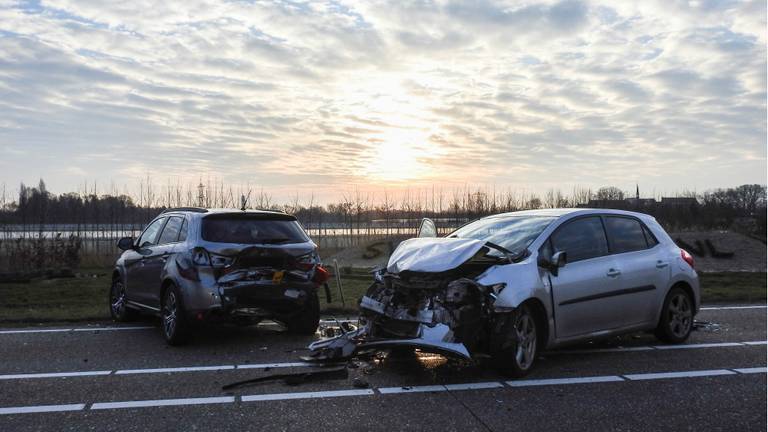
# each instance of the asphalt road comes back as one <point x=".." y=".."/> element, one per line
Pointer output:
<point x="75" y="378"/>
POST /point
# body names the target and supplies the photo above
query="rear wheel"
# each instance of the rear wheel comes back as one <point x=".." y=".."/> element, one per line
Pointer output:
<point x="118" y="307"/>
<point x="306" y="321"/>
<point x="515" y="344"/>
<point x="676" y="320"/>
<point x="175" y="325"/>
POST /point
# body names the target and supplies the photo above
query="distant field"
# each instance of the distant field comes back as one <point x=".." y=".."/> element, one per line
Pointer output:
<point x="85" y="298"/>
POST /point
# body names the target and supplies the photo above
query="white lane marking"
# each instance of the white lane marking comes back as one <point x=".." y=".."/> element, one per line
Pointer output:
<point x="163" y="402"/>
<point x="306" y="395"/>
<point x="561" y="381"/>
<point x="734" y="307"/>
<point x="54" y="375"/>
<point x="67" y="330"/>
<point x="42" y="409"/>
<point x="684" y="374"/>
<point x="276" y="365"/>
<point x="85" y="329"/>
<point x="703" y="345"/>
<point x="751" y="370"/>
<point x="657" y="347"/>
<point x="308" y="364"/>
<point x="474" y="386"/>
<point x="386" y="390"/>
<point x="412" y="389"/>
<point x="172" y="370"/>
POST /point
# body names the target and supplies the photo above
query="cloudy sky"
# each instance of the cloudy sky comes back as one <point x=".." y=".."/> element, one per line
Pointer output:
<point x="321" y="97"/>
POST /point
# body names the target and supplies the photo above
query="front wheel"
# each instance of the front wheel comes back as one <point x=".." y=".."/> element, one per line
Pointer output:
<point x="118" y="308"/>
<point x="175" y="325"/>
<point x="516" y="342"/>
<point x="676" y="320"/>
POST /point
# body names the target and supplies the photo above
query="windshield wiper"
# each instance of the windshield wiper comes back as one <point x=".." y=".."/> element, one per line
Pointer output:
<point x="508" y="254"/>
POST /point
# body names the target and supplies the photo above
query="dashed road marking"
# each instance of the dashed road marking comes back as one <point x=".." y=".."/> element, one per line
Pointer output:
<point x="68" y="330"/>
<point x="169" y="370"/>
<point x="382" y="391"/>
<point x="163" y="402"/>
<point x="564" y="381"/>
<point x="684" y="374"/>
<point x="306" y="395"/>
<point x="734" y="307"/>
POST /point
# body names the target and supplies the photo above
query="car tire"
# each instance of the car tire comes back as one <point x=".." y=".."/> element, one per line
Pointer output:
<point x="676" y="321"/>
<point x="118" y="307"/>
<point x="515" y="342"/>
<point x="306" y="321"/>
<point x="173" y="318"/>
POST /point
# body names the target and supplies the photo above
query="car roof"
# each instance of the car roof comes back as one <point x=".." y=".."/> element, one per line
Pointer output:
<point x="561" y="212"/>
<point x="202" y="212"/>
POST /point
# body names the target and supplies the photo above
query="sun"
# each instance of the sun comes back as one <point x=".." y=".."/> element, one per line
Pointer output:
<point x="401" y="155"/>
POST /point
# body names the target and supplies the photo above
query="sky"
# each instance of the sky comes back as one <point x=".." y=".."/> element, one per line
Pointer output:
<point x="321" y="97"/>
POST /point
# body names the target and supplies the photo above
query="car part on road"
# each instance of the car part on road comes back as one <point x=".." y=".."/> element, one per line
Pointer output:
<point x="294" y="379"/>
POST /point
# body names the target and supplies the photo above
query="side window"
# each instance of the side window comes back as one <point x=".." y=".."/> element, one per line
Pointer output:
<point x="183" y="231"/>
<point x="150" y="234"/>
<point x="649" y="237"/>
<point x="171" y="230"/>
<point x="626" y="234"/>
<point x="581" y="239"/>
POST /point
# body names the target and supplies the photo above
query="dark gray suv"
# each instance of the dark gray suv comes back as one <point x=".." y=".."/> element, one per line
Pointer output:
<point x="194" y="265"/>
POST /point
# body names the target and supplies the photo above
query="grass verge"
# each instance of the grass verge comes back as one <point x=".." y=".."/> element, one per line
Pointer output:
<point x="84" y="298"/>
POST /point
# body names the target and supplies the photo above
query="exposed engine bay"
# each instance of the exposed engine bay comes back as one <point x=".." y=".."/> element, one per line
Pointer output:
<point x="445" y="311"/>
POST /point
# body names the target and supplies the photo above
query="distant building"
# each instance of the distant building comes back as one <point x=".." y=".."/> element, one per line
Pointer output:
<point x="679" y="202"/>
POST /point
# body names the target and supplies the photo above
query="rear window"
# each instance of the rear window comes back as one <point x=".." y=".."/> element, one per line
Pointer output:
<point x="252" y="229"/>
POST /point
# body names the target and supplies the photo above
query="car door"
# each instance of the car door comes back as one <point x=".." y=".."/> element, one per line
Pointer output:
<point x="139" y="273"/>
<point x="583" y="289"/>
<point x="644" y="271"/>
<point x="156" y="260"/>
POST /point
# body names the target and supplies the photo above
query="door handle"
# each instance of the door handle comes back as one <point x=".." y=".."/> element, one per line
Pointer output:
<point x="613" y="273"/>
<point x="661" y="264"/>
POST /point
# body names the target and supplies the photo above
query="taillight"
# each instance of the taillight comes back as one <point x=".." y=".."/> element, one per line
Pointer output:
<point x="306" y="262"/>
<point x="321" y="275"/>
<point x="687" y="257"/>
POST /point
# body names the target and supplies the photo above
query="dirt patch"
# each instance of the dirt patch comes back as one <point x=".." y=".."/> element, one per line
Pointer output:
<point x="723" y="251"/>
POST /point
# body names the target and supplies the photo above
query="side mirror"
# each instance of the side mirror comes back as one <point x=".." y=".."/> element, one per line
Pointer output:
<point x="554" y="263"/>
<point x="427" y="228"/>
<point x="125" y="243"/>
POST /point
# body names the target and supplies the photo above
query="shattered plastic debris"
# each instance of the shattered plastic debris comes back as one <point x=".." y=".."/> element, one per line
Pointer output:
<point x="294" y="378"/>
<point x="706" y="326"/>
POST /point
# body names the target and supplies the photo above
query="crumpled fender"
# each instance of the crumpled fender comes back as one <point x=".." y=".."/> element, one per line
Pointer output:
<point x="430" y="254"/>
<point x="522" y="282"/>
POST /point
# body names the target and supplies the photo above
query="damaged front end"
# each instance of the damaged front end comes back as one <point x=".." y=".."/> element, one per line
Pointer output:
<point x="427" y="297"/>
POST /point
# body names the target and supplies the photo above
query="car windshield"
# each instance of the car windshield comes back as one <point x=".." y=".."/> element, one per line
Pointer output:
<point x="514" y="233"/>
<point x="252" y="229"/>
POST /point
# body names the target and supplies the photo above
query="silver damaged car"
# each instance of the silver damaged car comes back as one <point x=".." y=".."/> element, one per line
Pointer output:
<point x="510" y="285"/>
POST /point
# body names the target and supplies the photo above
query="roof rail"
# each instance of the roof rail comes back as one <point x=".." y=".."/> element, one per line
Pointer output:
<point x="188" y="209"/>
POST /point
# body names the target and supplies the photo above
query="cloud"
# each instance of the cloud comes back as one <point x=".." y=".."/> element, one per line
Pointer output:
<point x="312" y="96"/>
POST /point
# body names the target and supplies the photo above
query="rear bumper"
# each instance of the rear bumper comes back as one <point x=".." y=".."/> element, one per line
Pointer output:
<point x="261" y="299"/>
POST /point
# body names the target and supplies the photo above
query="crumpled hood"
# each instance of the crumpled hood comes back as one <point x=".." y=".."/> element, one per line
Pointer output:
<point x="432" y="254"/>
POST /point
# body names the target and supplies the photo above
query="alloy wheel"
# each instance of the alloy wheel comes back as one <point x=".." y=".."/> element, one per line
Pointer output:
<point x="170" y="308"/>
<point x="117" y="301"/>
<point x="526" y="340"/>
<point x="680" y="315"/>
